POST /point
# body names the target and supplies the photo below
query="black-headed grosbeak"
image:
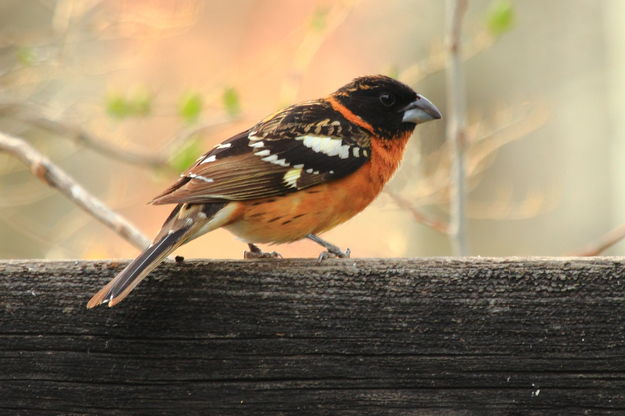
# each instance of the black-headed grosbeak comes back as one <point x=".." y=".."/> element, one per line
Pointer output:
<point x="294" y="175"/>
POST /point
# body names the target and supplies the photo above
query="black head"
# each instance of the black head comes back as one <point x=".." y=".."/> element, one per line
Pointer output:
<point x="389" y="106"/>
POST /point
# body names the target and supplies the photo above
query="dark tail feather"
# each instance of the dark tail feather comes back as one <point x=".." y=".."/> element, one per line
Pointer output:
<point x="118" y="288"/>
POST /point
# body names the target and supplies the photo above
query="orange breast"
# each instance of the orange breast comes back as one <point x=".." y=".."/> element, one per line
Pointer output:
<point x="319" y="208"/>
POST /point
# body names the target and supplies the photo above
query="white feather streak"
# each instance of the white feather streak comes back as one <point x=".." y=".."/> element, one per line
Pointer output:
<point x="326" y="145"/>
<point x="202" y="178"/>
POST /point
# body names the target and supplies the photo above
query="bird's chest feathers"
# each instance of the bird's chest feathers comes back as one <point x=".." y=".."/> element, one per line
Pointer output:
<point x="350" y="195"/>
<point x="386" y="155"/>
<point x="322" y="207"/>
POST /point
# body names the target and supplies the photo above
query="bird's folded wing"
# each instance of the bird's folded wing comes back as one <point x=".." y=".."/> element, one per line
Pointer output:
<point x="296" y="148"/>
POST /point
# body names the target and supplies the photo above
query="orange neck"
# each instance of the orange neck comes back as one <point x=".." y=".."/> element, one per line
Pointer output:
<point x="386" y="155"/>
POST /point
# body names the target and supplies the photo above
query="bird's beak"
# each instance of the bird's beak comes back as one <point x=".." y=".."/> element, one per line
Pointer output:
<point x="420" y="111"/>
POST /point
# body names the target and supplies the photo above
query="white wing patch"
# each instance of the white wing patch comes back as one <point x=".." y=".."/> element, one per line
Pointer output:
<point x="274" y="159"/>
<point x="209" y="159"/>
<point x="265" y="154"/>
<point x="329" y="146"/>
<point x="291" y="177"/>
<point x="326" y="145"/>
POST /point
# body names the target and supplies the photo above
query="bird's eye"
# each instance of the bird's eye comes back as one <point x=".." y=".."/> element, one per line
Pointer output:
<point x="387" y="100"/>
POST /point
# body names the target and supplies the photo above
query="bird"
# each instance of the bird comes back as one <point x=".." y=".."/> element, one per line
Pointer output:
<point x="295" y="174"/>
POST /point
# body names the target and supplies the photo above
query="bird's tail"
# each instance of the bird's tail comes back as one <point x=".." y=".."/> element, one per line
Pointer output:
<point x="185" y="223"/>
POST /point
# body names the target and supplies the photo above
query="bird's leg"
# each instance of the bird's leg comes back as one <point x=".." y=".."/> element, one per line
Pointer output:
<point x="332" y="250"/>
<point x="256" y="253"/>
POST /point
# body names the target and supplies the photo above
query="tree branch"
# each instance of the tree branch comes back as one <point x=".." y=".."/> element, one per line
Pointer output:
<point x="456" y="129"/>
<point x="46" y="171"/>
<point x="436" y="61"/>
<point x="418" y="216"/>
<point x="309" y="45"/>
<point x="605" y="242"/>
<point x="183" y="135"/>
<point x="482" y="145"/>
<point x="103" y="146"/>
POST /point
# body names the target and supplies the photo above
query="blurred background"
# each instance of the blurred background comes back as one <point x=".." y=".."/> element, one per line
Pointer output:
<point x="124" y="95"/>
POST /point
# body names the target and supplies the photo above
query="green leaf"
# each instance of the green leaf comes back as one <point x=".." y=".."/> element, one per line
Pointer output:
<point x="117" y="106"/>
<point x="136" y="104"/>
<point x="141" y="102"/>
<point x="186" y="155"/>
<point x="190" y="107"/>
<point x="25" y="55"/>
<point x="319" y="18"/>
<point x="500" y="17"/>
<point x="231" y="103"/>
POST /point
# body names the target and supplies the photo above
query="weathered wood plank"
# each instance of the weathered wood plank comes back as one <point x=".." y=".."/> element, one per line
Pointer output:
<point x="346" y="337"/>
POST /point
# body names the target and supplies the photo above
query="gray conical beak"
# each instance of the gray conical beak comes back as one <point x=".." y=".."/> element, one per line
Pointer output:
<point x="420" y="110"/>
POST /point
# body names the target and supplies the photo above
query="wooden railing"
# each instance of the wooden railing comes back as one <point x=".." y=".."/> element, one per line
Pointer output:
<point x="436" y="336"/>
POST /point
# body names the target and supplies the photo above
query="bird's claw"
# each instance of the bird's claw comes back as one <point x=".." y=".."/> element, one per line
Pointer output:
<point x="332" y="254"/>
<point x="257" y="253"/>
<point x="261" y="255"/>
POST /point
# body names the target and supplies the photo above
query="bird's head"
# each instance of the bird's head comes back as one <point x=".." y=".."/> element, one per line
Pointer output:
<point x="388" y="106"/>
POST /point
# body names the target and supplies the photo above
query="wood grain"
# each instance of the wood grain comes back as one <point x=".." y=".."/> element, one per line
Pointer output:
<point x="436" y="336"/>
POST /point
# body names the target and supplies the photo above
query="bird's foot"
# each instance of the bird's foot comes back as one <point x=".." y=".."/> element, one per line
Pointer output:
<point x="333" y="254"/>
<point x="257" y="253"/>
